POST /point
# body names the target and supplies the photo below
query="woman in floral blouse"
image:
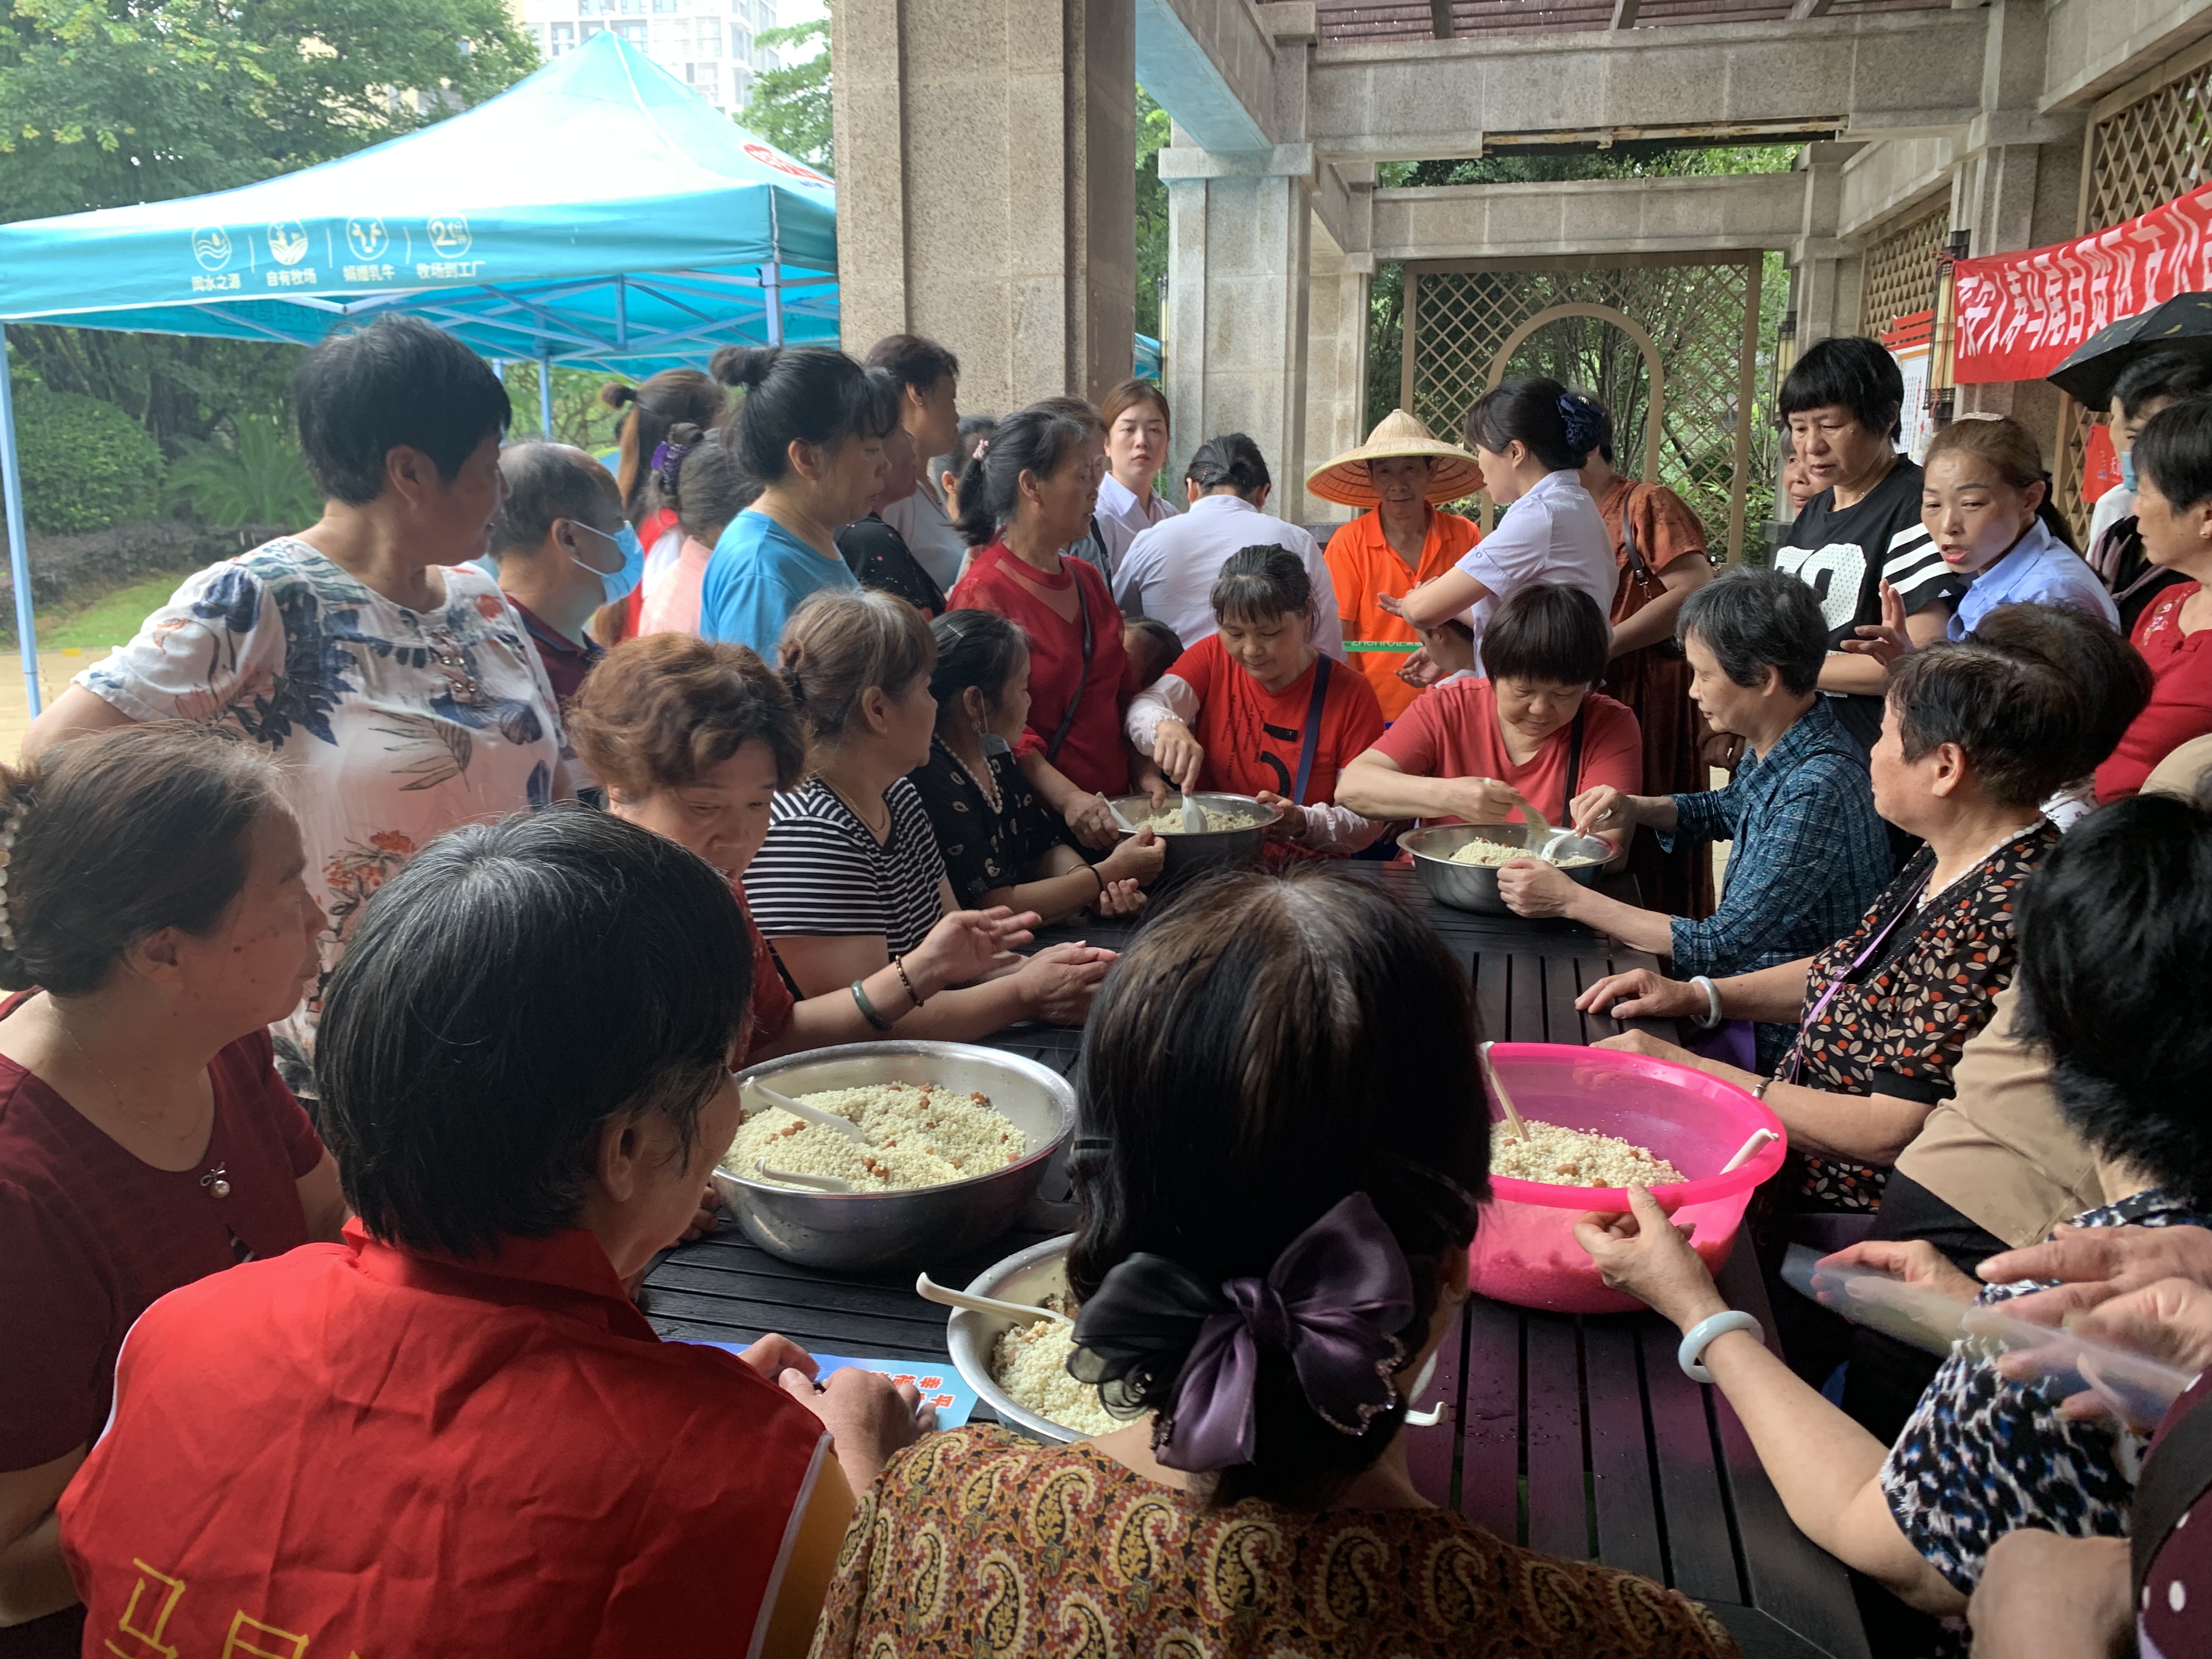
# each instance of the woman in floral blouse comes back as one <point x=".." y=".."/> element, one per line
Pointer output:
<point x="2115" y="927"/>
<point x="398" y="687"/>
<point x="1972" y="741"/>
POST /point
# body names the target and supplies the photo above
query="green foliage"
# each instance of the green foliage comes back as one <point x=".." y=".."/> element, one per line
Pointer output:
<point x="1636" y="158"/>
<point x="256" y="478"/>
<point x="578" y="416"/>
<point x="790" y="107"/>
<point x="1153" y="133"/>
<point x="86" y="463"/>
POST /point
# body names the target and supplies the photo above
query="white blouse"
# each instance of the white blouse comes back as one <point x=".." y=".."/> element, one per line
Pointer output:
<point x="1554" y="533"/>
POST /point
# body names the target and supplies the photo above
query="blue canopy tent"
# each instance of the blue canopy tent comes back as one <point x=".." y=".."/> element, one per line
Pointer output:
<point x="599" y="213"/>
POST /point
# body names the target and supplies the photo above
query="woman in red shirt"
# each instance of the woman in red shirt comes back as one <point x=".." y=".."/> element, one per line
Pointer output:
<point x="1535" y="732"/>
<point x="1254" y="709"/>
<point x="1026" y="494"/>
<point x="2173" y="514"/>
<point x="154" y="888"/>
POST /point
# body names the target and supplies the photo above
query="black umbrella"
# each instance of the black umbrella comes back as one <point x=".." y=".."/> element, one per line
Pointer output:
<point x="2181" y="324"/>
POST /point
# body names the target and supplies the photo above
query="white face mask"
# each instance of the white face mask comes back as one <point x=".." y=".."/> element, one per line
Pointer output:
<point x="1434" y="1415"/>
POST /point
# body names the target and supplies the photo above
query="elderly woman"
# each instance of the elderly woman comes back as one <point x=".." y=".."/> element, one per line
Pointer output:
<point x="2119" y="915"/>
<point x="156" y="920"/>
<point x="694" y="740"/>
<point x="367" y="653"/>
<point x="1533" y="733"/>
<point x="873" y="550"/>
<point x="1254" y="709"/>
<point x="1000" y="845"/>
<point x="1402" y="475"/>
<point x="1807" y="853"/>
<point x="1239" y="1034"/>
<point x="454" y="1432"/>
<point x="850" y="880"/>
<point x="811" y="430"/>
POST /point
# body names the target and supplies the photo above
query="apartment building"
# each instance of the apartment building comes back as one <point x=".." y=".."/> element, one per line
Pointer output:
<point x="709" y="45"/>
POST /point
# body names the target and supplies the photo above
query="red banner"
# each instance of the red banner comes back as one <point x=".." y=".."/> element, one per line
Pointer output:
<point x="2020" y="314"/>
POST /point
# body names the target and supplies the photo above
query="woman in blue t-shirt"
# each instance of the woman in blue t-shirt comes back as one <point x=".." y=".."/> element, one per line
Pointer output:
<point x="812" y="429"/>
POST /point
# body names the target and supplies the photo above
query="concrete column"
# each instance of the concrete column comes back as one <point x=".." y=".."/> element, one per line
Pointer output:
<point x="986" y="187"/>
<point x="1239" y="229"/>
<point x="1336" y="359"/>
<point x="1823" y="275"/>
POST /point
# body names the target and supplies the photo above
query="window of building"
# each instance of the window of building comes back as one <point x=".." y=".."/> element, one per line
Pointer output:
<point x="632" y="33"/>
<point x="560" y="38"/>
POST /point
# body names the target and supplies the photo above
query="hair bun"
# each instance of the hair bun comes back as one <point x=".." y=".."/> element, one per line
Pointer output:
<point x="615" y="394"/>
<point x="744" y="366"/>
<point x="1583" y="421"/>
<point x="794" y="684"/>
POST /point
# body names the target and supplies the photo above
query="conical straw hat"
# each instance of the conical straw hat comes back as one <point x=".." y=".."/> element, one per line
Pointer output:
<point x="1346" y="480"/>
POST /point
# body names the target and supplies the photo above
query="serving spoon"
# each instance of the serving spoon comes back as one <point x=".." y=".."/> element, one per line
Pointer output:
<point x="930" y="1291"/>
<point x="1194" y="816"/>
<point x="1498" y="1088"/>
<point x="815" y="1114"/>
<point x="819" y="1183"/>
<point x="1555" y="840"/>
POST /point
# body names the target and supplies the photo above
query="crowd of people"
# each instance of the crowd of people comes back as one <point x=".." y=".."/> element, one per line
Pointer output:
<point x="383" y="924"/>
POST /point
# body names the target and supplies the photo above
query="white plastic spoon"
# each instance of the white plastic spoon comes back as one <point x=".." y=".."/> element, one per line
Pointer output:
<point x="799" y="1109"/>
<point x="792" y="1178"/>
<point x="1750" y="1150"/>
<point x="930" y="1291"/>
<point x="1120" y="823"/>
<point x="1498" y="1088"/>
<point x="1194" y="817"/>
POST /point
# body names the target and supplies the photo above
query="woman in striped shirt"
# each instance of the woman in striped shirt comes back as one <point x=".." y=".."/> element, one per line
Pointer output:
<point x="850" y="878"/>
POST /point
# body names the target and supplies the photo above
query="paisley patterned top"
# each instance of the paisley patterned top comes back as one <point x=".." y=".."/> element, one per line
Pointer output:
<point x="394" y="726"/>
<point x="977" y="1542"/>
<point x="1896" y="1026"/>
<point x="1982" y="1457"/>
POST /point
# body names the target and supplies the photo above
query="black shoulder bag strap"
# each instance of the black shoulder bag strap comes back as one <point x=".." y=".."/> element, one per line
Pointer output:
<point x="1575" y="752"/>
<point x="1636" y="568"/>
<point x="2176" y="1474"/>
<point x="1082" y="678"/>
<point x="1311" y="741"/>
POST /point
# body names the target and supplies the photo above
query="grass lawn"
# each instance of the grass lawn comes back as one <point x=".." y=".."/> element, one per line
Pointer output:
<point x="110" y="620"/>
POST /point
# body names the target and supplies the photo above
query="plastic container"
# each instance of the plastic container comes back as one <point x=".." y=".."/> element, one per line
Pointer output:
<point x="1524" y="1249"/>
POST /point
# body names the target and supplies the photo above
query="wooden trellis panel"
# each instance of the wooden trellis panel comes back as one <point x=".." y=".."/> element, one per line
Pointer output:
<point x="1899" y="275"/>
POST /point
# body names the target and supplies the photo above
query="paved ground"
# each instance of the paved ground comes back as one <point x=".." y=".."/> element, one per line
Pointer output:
<point x="55" y="669"/>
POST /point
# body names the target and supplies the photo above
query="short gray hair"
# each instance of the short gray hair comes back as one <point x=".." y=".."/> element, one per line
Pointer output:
<point x="1754" y="620"/>
<point x="547" y="481"/>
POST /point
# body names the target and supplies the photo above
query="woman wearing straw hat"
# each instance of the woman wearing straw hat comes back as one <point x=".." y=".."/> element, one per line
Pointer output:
<point x="1403" y="539"/>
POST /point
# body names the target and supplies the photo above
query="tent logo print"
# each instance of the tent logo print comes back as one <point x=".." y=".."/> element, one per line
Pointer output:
<point x="367" y="238"/>
<point x="211" y="247"/>
<point x="762" y="152"/>
<point x="288" y="242"/>
<point x="450" y="236"/>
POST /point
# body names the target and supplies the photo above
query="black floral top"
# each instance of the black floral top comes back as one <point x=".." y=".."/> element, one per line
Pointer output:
<point x="1982" y="1456"/>
<point x="984" y="849"/>
<point x="1897" y="1022"/>
<point x="879" y="558"/>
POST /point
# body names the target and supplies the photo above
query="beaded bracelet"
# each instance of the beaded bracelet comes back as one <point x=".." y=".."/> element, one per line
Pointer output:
<point x="899" y="964"/>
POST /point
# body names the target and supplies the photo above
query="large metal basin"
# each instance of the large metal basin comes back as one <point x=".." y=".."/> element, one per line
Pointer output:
<point x="1028" y="1276"/>
<point x="877" y="1232"/>
<point x="1472" y="886"/>
<point x="1216" y="849"/>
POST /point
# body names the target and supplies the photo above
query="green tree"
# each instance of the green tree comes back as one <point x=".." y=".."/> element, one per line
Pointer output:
<point x="1153" y="133"/>
<point x="790" y="107"/>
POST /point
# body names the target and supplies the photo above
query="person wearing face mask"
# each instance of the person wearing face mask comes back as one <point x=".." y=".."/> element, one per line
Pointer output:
<point x="1534" y="730"/>
<point x="1401" y="476"/>
<point x="2153" y="382"/>
<point x="398" y="688"/>
<point x="563" y="550"/>
<point x="1254" y="709"/>
<point x="811" y="430"/>
<point x="1001" y="844"/>
<point x="875" y="552"/>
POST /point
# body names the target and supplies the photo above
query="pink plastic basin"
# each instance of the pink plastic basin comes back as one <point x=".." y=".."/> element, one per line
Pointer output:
<point x="1524" y="1249"/>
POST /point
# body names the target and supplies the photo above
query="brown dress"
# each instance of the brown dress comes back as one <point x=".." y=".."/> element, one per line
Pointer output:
<point x="977" y="1542"/>
<point x="1654" y="682"/>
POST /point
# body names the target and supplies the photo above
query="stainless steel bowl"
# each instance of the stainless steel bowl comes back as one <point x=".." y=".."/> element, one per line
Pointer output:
<point x="1215" y="849"/>
<point x="1472" y="886"/>
<point x="1031" y="1275"/>
<point x="870" y="1232"/>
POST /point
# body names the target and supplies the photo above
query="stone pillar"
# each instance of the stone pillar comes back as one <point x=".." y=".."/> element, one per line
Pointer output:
<point x="1239" y="229"/>
<point x="1823" y="274"/>
<point x="1336" y="359"/>
<point x="987" y="187"/>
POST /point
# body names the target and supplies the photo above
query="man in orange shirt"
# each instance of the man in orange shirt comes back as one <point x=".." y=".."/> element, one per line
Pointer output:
<point x="1403" y="539"/>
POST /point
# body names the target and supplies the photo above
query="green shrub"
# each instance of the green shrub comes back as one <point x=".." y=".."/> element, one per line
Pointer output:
<point x="86" y="463"/>
<point x="262" y="480"/>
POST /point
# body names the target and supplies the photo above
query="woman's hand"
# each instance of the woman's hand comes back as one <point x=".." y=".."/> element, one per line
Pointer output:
<point x="1912" y="1262"/>
<point x="1642" y="993"/>
<point x="2097" y="1264"/>
<point x="1292" y="822"/>
<point x="1482" y="800"/>
<point x="2169" y="1322"/>
<point x="1058" y="982"/>
<point x="1534" y="887"/>
<point x="1139" y="858"/>
<point x="1177" y="754"/>
<point x="1889" y="640"/>
<point x="1421" y="670"/>
<point x="773" y="1355"/>
<point x="1092" y="820"/>
<point x="1119" y="898"/>
<point x="1147" y="781"/>
<point x="1723" y="750"/>
<point x="1602" y="808"/>
<point x="1392" y="604"/>
<point x="965" y="946"/>
<point x="1650" y="1257"/>
<point x="870" y="1418"/>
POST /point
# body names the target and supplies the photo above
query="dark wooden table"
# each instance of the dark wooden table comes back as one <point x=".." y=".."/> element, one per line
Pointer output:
<point x="1577" y="1435"/>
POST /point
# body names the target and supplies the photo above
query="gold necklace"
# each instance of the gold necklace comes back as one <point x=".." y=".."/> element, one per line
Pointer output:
<point x="215" y="1179"/>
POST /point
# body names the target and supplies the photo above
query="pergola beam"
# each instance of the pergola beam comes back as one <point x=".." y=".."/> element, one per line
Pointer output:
<point x="1591" y="216"/>
<point x="1623" y="12"/>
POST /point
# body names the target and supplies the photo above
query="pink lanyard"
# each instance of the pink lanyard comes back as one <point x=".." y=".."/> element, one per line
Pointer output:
<point x="1794" y="1062"/>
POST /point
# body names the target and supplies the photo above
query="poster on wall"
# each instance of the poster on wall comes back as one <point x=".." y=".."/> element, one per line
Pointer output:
<point x="1910" y="341"/>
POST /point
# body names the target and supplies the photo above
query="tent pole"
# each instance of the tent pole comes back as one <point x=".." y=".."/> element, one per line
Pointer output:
<point x="19" y="547"/>
<point x="545" y="392"/>
<point x="772" y="291"/>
